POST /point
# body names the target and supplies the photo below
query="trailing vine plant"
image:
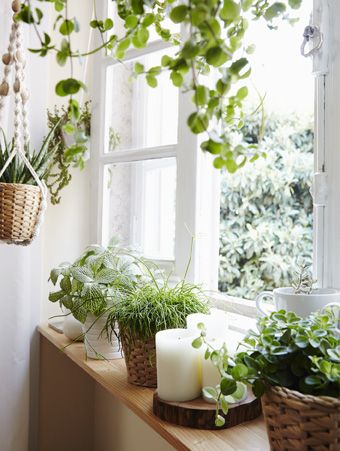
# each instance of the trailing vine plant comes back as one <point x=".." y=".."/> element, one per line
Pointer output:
<point x="212" y="40"/>
<point x="70" y="139"/>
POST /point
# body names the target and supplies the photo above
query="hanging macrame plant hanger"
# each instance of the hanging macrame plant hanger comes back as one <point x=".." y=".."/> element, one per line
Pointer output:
<point x="22" y="206"/>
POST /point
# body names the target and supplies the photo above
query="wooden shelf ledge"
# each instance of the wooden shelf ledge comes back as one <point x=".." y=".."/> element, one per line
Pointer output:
<point x="249" y="436"/>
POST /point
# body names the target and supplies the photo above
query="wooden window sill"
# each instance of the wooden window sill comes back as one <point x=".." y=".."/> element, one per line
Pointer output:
<point x="112" y="376"/>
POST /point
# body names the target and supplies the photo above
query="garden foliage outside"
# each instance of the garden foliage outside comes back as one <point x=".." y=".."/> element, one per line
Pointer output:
<point x="266" y="209"/>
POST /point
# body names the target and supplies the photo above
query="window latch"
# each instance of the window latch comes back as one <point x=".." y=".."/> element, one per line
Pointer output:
<point x="311" y="34"/>
<point x="319" y="189"/>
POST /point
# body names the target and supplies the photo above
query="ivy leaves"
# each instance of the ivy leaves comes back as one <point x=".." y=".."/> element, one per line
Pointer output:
<point x="212" y="42"/>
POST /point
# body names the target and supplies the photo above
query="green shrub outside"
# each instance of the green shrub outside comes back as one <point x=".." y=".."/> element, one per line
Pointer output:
<point x="266" y="209"/>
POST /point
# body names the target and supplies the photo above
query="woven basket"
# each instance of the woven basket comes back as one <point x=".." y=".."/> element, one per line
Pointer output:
<point x="301" y="422"/>
<point x="140" y="359"/>
<point x="19" y="210"/>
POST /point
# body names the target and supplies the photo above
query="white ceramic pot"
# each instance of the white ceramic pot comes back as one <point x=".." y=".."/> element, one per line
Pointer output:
<point x="301" y="304"/>
<point x="72" y="328"/>
<point x="96" y="341"/>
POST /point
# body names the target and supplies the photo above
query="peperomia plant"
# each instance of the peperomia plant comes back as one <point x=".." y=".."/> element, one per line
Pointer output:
<point x="287" y="351"/>
<point x="303" y="279"/>
<point x="212" y="41"/>
<point x="98" y="279"/>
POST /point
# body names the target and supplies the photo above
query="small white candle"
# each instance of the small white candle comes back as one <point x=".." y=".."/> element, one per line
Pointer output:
<point x="216" y="323"/>
<point x="178" y="366"/>
<point x="210" y="374"/>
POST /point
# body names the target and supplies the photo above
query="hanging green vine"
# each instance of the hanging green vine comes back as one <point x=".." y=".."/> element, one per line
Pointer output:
<point x="212" y="41"/>
<point x="70" y="139"/>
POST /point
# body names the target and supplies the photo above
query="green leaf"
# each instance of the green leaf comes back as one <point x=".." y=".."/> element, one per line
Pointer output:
<point x="238" y="66"/>
<point x="139" y="68"/>
<point x="131" y="21"/>
<point x="224" y="405"/>
<point x="122" y="47"/>
<point x="108" y="24"/>
<point x="151" y="81"/>
<point x="82" y="274"/>
<point x="197" y="343"/>
<point x="56" y="296"/>
<point x="148" y="20"/>
<point x="275" y="10"/>
<point x="230" y="10"/>
<point x="210" y="392"/>
<point x="295" y="4"/>
<point x="198" y="122"/>
<point x="231" y="165"/>
<point x="69" y="86"/>
<point x="242" y="93"/>
<point x="65" y="285"/>
<point x="239" y="371"/>
<point x="176" y="78"/>
<point x="258" y="388"/>
<point x="66" y="28"/>
<point x="228" y="386"/>
<point x="313" y="380"/>
<point x="201" y="95"/>
<point x="178" y="14"/>
<point x="219" y="421"/>
<point x="137" y="6"/>
<point x="216" y="56"/>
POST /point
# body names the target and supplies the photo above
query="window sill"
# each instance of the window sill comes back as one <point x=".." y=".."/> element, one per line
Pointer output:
<point x="112" y="376"/>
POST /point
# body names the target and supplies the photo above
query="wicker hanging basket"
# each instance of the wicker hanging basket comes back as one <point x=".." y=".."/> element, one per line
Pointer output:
<point x="301" y="422"/>
<point x="140" y="359"/>
<point x="21" y="206"/>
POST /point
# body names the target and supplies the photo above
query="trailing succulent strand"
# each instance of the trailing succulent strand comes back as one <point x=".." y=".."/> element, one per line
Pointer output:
<point x="210" y="39"/>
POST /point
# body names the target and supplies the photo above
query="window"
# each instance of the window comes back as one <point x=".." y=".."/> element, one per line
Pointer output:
<point x="156" y="189"/>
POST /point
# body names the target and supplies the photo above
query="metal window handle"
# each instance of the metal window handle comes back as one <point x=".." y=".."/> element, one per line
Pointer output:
<point x="311" y="33"/>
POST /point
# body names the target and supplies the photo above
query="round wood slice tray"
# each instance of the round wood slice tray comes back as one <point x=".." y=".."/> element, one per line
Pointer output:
<point x="201" y="415"/>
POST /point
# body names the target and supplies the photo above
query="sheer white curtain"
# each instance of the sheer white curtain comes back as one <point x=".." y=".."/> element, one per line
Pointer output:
<point x="20" y="270"/>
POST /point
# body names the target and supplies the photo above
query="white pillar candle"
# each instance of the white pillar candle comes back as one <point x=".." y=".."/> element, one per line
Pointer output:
<point x="178" y="366"/>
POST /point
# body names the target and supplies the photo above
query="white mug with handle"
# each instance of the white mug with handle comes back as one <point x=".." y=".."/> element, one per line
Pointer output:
<point x="301" y="304"/>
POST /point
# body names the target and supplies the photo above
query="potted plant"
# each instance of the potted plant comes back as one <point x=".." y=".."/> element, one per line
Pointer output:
<point x="301" y="298"/>
<point x="70" y="137"/>
<point x="21" y="199"/>
<point x="89" y="287"/>
<point x="152" y="306"/>
<point x="295" y="364"/>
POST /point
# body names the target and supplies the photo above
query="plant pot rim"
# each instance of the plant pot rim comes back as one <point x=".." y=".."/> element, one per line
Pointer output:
<point x="284" y="391"/>
<point x="322" y="292"/>
<point x="26" y="185"/>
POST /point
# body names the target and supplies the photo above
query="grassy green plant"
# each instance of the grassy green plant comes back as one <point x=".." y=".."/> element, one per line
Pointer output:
<point x="95" y="281"/>
<point x="301" y="354"/>
<point x="17" y="171"/>
<point x="152" y="307"/>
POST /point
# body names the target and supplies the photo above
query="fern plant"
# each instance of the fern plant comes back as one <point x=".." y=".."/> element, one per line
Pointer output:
<point x="17" y="172"/>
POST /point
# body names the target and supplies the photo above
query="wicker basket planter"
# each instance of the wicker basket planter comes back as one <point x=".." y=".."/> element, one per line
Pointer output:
<point x="19" y="211"/>
<point x="140" y="359"/>
<point x="301" y="422"/>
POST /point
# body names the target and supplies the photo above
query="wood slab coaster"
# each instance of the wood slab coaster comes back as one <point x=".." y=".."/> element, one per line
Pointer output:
<point x="201" y="415"/>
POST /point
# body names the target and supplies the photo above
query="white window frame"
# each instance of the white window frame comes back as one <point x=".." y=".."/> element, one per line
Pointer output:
<point x="198" y="184"/>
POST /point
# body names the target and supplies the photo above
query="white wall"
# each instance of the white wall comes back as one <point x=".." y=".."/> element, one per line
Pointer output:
<point x="66" y="229"/>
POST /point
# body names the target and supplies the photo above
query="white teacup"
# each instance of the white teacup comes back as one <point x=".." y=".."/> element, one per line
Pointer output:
<point x="301" y="304"/>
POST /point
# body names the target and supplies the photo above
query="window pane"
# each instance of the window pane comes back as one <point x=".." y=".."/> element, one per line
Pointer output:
<point x="138" y="116"/>
<point x="139" y="206"/>
<point x="266" y="207"/>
